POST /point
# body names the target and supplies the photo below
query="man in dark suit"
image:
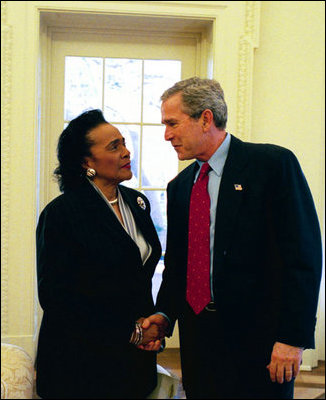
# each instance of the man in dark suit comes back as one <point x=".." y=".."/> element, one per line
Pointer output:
<point x="246" y="338"/>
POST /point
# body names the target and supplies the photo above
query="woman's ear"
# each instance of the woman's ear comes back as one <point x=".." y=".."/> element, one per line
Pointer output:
<point x="86" y="163"/>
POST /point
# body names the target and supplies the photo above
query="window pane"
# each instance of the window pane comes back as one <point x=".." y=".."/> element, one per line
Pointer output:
<point x="131" y="133"/>
<point x="157" y="198"/>
<point x="83" y="85"/>
<point x="159" y="160"/>
<point x="129" y="84"/>
<point x="159" y="75"/>
<point x="157" y="279"/>
<point x="122" y="90"/>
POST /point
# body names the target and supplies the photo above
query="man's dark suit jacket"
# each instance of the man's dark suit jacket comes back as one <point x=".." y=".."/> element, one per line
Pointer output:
<point x="93" y="286"/>
<point x="267" y="252"/>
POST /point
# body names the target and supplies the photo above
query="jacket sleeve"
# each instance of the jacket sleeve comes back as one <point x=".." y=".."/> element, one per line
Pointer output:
<point x="299" y="243"/>
<point x="171" y="294"/>
<point x="69" y="299"/>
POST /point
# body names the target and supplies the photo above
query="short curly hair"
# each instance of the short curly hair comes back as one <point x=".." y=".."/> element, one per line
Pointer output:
<point x="73" y="146"/>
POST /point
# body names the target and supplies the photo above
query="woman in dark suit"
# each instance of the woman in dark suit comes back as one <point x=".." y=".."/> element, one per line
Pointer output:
<point x="97" y="250"/>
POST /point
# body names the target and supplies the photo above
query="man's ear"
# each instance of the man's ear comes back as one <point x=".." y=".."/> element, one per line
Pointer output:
<point x="208" y="118"/>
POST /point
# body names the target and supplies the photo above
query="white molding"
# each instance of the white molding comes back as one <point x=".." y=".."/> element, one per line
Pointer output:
<point x="305" y="368"/>
<point x="124" y="32"/>
<point x="6" y="94"/>
<point x="249" y="41"/>
<point x="189" y="9"/>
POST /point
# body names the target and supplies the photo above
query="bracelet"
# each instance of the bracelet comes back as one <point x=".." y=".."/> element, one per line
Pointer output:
<point x="133" y="337"/>
<point x="137" y="335"/>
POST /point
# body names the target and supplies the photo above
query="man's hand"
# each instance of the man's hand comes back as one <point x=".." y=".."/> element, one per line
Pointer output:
<point x="159" y="320"/>
<point x="285" y="362"/>
<point x="150" y="340"/>
<point x="160" y="324"/>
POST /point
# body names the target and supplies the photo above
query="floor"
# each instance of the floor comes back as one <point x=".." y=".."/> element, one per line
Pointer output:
<point x="308" y="385"/>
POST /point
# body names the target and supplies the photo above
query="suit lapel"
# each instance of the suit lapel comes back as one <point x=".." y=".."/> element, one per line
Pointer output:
<point x="232" y="189"/>
<point x="138" y="213"/>
<point x="98" y="210"/>
<point x="142" y="219"/>
<point x="98" y="213"/>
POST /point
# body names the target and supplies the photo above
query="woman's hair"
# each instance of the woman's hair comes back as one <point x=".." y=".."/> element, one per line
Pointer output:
<point x="198" y="95"/>
<point x="73" y="146"/>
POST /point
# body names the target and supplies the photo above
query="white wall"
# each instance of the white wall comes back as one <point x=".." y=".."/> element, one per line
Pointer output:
<point x="289" y="96"/>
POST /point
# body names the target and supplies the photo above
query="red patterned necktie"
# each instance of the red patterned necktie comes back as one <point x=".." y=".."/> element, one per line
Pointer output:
<point x="198" y="269"/>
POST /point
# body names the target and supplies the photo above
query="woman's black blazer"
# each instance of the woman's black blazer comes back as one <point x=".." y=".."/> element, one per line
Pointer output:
<point x="92" y="287"/>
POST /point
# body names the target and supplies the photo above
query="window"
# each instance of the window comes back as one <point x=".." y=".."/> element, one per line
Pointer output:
<point x="128" y="92"/>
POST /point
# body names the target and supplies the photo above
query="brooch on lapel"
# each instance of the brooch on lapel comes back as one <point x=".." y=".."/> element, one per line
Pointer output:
<point x="141" y="203"/>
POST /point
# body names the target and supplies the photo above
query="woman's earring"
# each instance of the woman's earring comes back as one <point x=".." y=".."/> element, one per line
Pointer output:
<point x="90" y="172"/>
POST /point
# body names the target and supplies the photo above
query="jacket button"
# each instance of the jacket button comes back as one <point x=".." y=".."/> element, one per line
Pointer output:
<point x="224" y="252"/>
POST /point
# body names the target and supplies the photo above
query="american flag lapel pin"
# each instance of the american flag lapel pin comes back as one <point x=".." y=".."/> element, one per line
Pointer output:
<point x="237" y="186"/>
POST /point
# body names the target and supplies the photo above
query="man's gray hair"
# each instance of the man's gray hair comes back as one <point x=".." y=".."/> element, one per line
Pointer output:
<point x="198" y="95"/>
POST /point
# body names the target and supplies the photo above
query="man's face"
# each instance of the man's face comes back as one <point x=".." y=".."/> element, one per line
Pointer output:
<point x="184" y="133"/>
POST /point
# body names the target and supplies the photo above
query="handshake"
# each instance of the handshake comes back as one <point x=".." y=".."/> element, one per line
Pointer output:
<point x="149" y="332"/>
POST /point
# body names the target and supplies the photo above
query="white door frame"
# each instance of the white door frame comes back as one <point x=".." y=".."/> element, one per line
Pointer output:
<point x="52" y="36"/>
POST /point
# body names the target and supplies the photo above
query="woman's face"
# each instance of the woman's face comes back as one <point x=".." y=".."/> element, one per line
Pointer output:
<point x="109" y="156"/>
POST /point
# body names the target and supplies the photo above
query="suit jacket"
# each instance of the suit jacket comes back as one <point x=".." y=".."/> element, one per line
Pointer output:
<point x="267" y="250"/>
<point x="93" y="286"/>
